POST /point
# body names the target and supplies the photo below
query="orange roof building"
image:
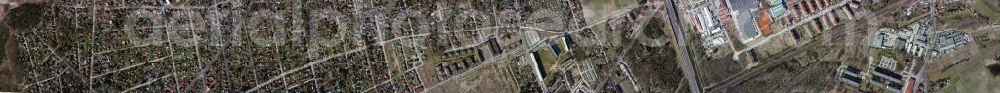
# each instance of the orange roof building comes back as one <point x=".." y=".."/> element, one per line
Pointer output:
<point x="764" y="22"/>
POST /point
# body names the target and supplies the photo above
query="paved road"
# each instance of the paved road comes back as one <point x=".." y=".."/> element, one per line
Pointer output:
<point x="519" y="51"/>
<point x="531" y="46"/>
<point x="917" y="73"/>
<point x="747" y="74"/>
<point x="783" y="31"/>
<point x="690" y="74"/>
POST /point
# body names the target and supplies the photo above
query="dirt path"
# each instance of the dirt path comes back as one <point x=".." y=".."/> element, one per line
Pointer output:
<point x="10" y="68"/>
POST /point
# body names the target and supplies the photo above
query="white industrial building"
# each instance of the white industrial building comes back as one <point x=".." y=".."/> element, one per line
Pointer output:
<point x="948" y="41"/>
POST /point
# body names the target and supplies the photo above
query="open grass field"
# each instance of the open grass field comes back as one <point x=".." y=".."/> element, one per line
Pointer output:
<point x="966" y="69"/>
<point x="988" y="8"/>
<point x="958" y="18"/>
<point x="20" y="18"/>
<point x="973" y="79"/>
<point x="8" y="71"/>
<point x="594" y="10"/>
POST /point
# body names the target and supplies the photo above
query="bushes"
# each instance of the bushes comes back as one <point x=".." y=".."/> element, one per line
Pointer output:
<point x="25" y="16"/>
<point x="994" y="69"/>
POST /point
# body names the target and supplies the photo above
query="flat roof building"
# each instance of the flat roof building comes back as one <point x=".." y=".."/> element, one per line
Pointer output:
<point x="852" y="80"/>
<point x="744" y="10"/>
<point x="949" y="40"/>
<point x="888" y="74"/>
<point x="850" y="75"/>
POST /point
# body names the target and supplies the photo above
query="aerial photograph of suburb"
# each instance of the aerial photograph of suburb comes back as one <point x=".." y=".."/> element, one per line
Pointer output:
<point x="500" y="46"/>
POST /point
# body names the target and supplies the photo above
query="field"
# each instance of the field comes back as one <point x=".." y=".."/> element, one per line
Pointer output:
<point x="988" y="8"/>
<point x="9" y="70"/>
<point x="656" y="69"/>
<point x="966" y="68"/>
<point x="492" y="78"/>
<point x="26" y="17"/>
<point x="599" y="9"/>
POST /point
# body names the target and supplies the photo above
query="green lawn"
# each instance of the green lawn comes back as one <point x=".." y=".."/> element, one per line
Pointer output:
<point x="973" y="80"/>
<point x="3" y="41"/>
<point x="604" y="8"/>
<point x="549" y="60"/>
<point x="970" y="77"/>
<point x="988" y="8"/>
<point x="615" y="3"/>
<point x="957" y="16"/>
